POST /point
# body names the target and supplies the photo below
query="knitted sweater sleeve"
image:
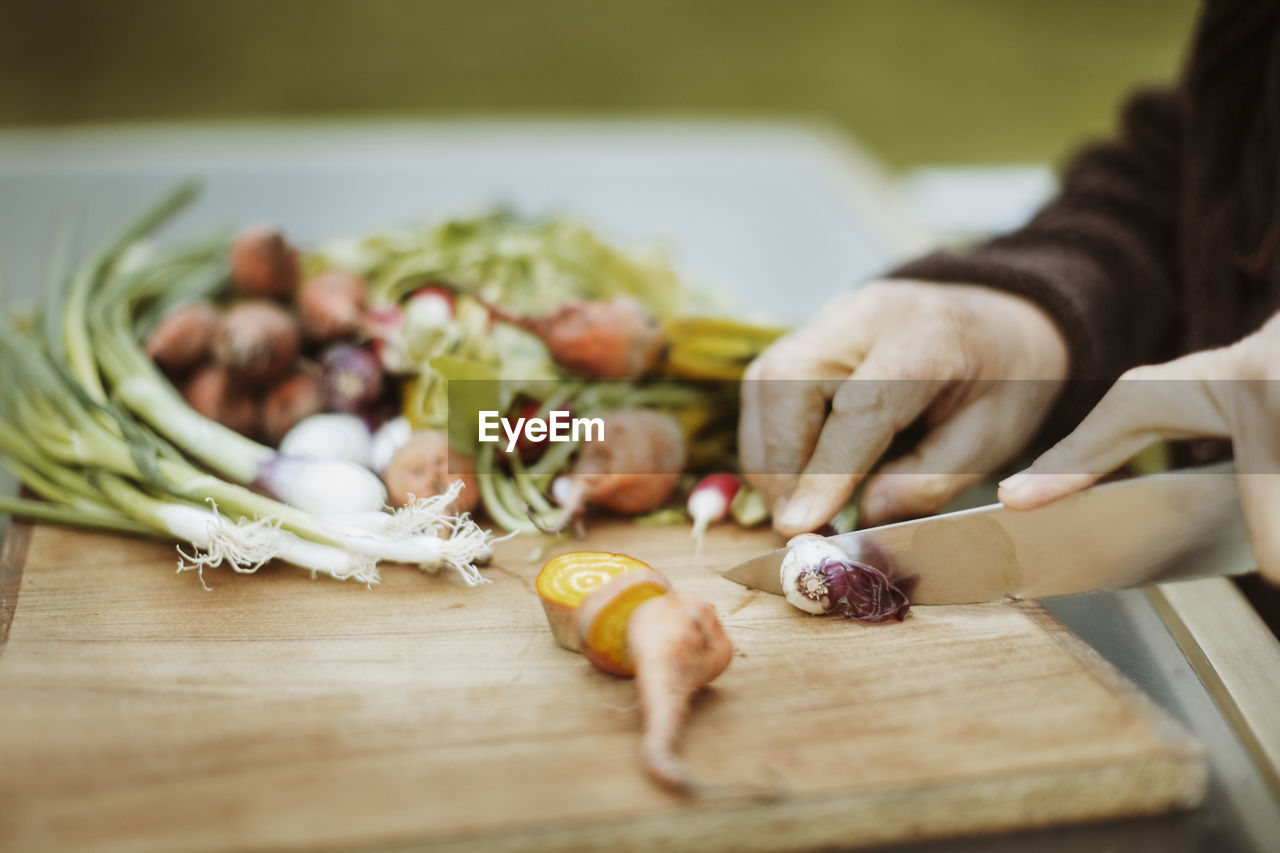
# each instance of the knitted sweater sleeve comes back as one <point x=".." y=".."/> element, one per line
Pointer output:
<point x="1101" y="257"/>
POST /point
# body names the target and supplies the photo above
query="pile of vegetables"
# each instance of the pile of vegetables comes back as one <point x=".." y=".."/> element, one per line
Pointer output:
<point x="88" y="422"/>
<point x="329" y="398"/>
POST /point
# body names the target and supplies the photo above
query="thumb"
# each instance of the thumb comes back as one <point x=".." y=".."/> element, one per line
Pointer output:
<point x="1170" y="400"/>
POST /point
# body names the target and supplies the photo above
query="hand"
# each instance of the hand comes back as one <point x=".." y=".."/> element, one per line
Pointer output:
<point x="881" y="357"/>
<point x="1228" y="393"/>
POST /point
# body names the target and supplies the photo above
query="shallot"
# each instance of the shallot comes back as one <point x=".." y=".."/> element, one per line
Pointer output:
<point x="184" y="337"/>
<point x="263" y="264"/>
<point x="820" y="577"/>
<point x="332" y="305"/>
<point x="257" y="342"/>
<point x="330" y="435"/>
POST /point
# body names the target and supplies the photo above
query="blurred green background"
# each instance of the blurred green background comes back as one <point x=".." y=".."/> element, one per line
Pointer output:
<point x="916" y="80"/>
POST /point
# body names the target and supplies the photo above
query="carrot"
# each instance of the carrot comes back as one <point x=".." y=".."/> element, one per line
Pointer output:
<point x="263" y="264"/>
<point x="184" y="337"/>
<point x="332" y="305"/>
<point x="425" y="466"/>
<point x="632" y="470"/>
<point x="603" y="617"/>
<point x="299" y="395"/>
<point x="596" y="339"/>
<point x="566" y="580"/>
<point x="678" y="645"/>
<point x="257" y="342"/>
<point x="674" y="644"/>
<point x="212" y="393"/>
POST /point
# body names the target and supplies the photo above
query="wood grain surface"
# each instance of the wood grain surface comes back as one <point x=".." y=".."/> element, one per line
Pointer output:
<point x="138" y="711"/>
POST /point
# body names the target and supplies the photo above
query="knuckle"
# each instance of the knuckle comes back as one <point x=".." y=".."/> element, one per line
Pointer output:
<point x="862" y="398"/>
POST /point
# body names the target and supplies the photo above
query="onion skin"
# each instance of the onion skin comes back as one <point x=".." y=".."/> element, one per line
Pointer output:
<point x="819" y="577"/>
<point x="263" y="264"/>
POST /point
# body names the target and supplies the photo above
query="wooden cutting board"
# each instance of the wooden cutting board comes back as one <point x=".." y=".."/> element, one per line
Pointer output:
<point x="139" y="711"/>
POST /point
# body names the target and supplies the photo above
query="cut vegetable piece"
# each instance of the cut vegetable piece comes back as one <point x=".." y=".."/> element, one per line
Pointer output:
<point x="820" y="577"/>
<point x="677" y="645"/>
<point x="605" y="614"/>
<point x="565" y="582"/>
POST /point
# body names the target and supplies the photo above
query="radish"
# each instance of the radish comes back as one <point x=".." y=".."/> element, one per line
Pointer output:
<point x="425" y="466"/>
<point x="710" y="501"/>
<point x="289" y="401"/>
<point x="390" y="327"/>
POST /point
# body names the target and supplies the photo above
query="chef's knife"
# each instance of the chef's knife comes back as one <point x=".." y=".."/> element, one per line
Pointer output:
<point x="1164" y="527"/>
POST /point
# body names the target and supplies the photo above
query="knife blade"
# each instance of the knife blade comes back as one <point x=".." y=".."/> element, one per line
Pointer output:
<point x="1162" y="527"/>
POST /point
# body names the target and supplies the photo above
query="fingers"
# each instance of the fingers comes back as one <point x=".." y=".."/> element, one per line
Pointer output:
<point x="885" y="394"/>
<point x="1171" y="400"/>
<point x="1260" y="503"/>
<point x="955" y="455"/>
<point x="785" y="392"/>
<point x="781" y="419"/>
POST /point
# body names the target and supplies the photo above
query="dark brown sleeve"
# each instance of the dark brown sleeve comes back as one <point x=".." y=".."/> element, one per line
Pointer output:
<point x="1101" y="257"/>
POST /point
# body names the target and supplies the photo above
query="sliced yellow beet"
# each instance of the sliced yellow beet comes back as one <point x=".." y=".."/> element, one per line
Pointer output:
<point x="565" y="582"/>
<point x="603" y="618"/>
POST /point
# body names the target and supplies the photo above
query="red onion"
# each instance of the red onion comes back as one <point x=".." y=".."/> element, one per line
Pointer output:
<point x="352" y="378"/>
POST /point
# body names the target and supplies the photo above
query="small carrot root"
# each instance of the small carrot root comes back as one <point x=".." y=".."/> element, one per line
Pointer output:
<point x="678" y="645"/>
<point x="674" y="644"/>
